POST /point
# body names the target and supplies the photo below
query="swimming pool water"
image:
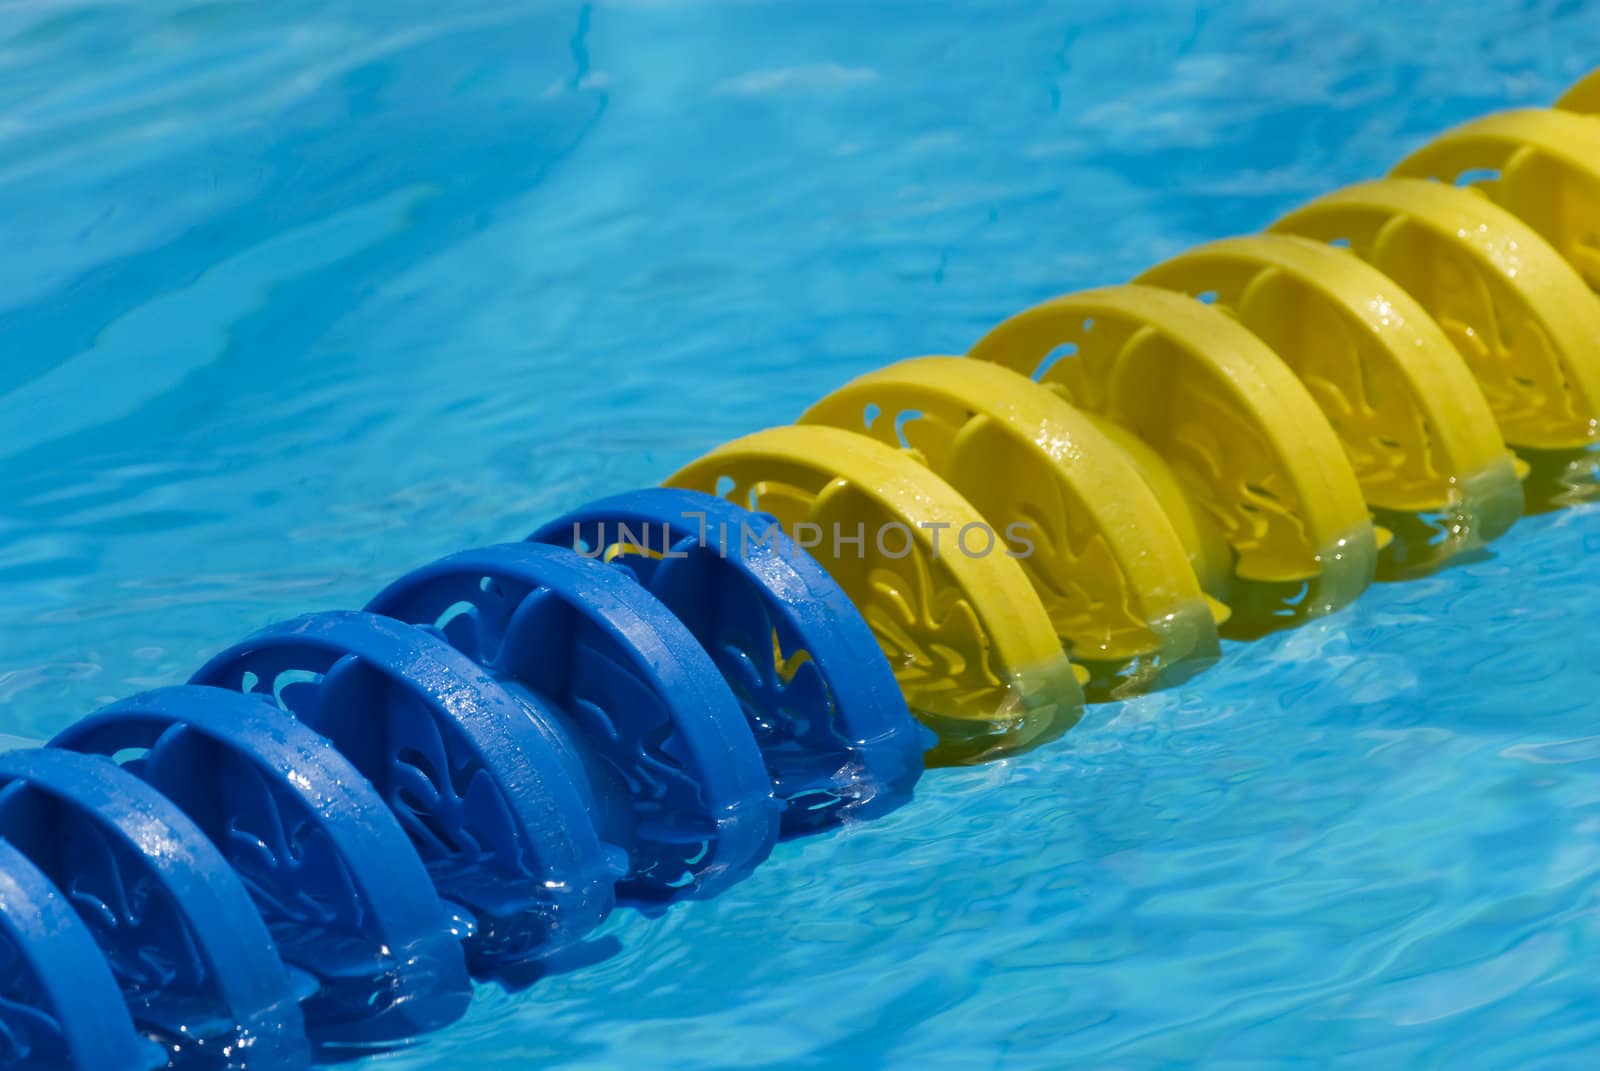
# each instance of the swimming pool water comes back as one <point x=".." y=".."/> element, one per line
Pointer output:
<point x="294" y="297"/>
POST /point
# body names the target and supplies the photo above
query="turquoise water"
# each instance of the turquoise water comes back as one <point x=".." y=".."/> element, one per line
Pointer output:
<point x="297" y="296"/>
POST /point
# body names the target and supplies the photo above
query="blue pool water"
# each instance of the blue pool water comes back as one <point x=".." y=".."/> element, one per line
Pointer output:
<point x="296" y="296"/>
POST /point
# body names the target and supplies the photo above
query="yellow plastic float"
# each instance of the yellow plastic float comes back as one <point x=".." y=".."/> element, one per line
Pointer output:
<point x="1520" y="315"/>
<point x="1408" y="413"/>
<point x="971" y="644"/>
<point x="1232" y="441"/>
<point x="1583" y="97"/>
<point x="1108" y="565"/>
<point x="1240" y="439"/>
<point x="1540" y="165"/>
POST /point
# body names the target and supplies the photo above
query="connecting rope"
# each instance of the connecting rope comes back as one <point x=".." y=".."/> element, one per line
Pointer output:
<point x="313" y="848"/>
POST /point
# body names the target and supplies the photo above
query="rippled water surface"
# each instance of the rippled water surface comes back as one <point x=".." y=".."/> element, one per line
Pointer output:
<point x="295" y="296"/>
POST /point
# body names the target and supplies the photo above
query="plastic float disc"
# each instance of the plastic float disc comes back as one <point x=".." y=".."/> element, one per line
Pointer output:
<point x="1410" y="416"/>
<point x="337" y="881"/>
<point x="195" y="962"/>
<point x="490" y="797"/>
<point x="637" y="691"/>
<point x="1109" y="567"/>
<point x="1519" y="314"/>
<point x="1542" y="166"/>
<point x="820" y="697"/>
<point x="1583" y="97"/>
<point x="971" y="645"/>
<point x="1522" y="317"/>
<point x="60" y="1007"/>
<point x="1237" y="430"/>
